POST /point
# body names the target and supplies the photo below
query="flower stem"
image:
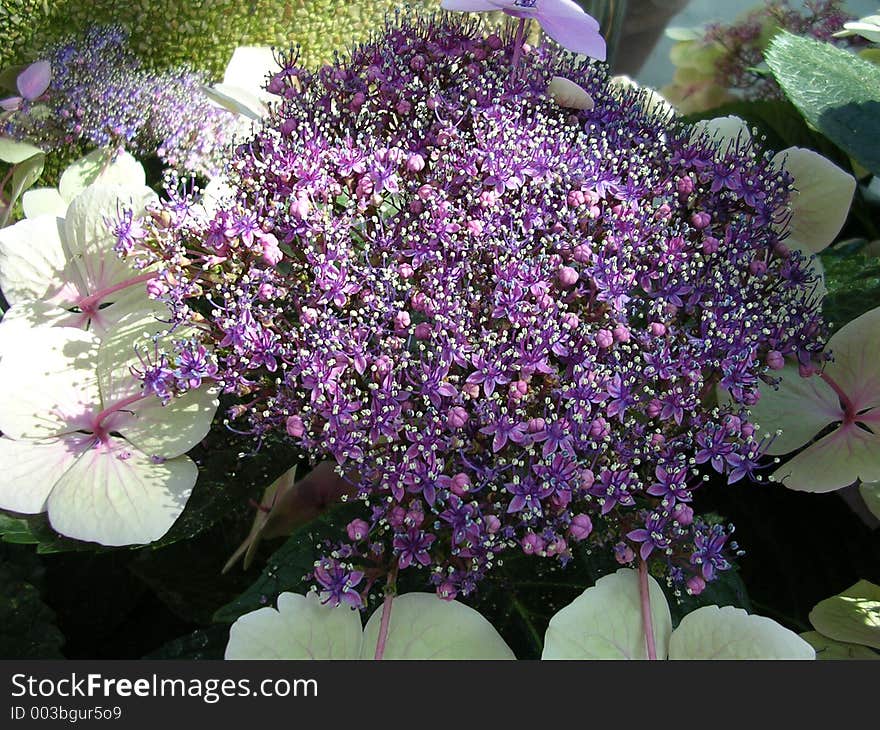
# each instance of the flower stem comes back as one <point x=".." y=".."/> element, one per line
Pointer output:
<point x="647" y="621"/>
<point x="390" y="589"/>
<point x="849" y="409"/>
<point x="517" y="47"/>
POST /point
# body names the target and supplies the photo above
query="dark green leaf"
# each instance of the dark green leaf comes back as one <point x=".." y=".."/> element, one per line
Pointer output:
<point x="853" y="283"/>
<point x="287" y="568"/>
<point x="835" y="90"/>
<point x="27" y="625"/>
<point x="207" y="643"/>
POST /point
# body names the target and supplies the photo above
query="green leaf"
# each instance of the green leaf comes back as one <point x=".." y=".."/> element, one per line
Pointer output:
<point x="287" y="567"/>
<point x="27" y="625"/>
<point x="202" y="644"/>
<point x="26" y="174"/>
<point x="829" y="649"/>
<point x="836" y="91"/>
<point x="852" y="616"/>
<point x="853" y="284"/>
<point x="13" y="151"/>
<point x="16" y="530"/>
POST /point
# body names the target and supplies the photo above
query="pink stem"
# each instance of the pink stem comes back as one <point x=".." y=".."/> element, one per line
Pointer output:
<point x="93" y="299"/>
<point x="849" y="408"/>
<point x="647" y="621"/>
<point x="386" y="613"/>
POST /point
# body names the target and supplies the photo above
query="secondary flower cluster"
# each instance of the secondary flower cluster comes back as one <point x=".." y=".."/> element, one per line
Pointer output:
<point x="101" y="96"/>
<point x="504" y="320"/>
<point x="727" y="59"/>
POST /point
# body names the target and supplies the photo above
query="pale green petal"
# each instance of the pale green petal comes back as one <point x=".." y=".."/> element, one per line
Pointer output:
<point x="43" y="201"/>
<point x="605" y="621"/>
<point x="829" y="649"/>
<point x="13" y="151"/>
<point x="250" y="67"/>
<point x="20" y="318"/>
<point x="424" y="626"/>
<point x="870" y="492"/>
<point x="134" y="338"/>
<point x="711" y="632"/>
<point x="821" y="199"/>
<point x="117" y="495"/>
<point x="173" y="429"/>
<point x="568" y="94"/>
<point x="48" y="384"/>
<point x="88" y="240"/>
<point x="97" y="168"/>
<point x="856" y="365"/>
<point x="236" y="101"/>
<point x="799" y="407"/>
<point x="32" y="468"/>
<point x="835" y="461"/>
<point x="853" y="616"/>
<point x="32" y="261"/>
<point x="726" y="131"/>
<point x="300" y="628"/>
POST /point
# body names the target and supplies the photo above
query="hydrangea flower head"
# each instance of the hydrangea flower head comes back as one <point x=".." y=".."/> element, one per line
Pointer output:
<point x="100" y="95"/>
<point x="503" y="320"/>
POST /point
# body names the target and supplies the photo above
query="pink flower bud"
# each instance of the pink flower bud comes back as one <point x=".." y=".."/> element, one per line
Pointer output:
<point x="683" y="514"/>
<point x="405" y="271"/>
<point x="658" y="329"/>
<point x="568" y="276"/>
<point x="623" y="553"/>
<point x="447" y="591"/>
<point x="357" y="530"/>
<point x="695" y="585"/>
<point x="710" y="245"/>
<point x="456" y="417"/>
<point x="604" y="339"/>
<point x="587" y="478"/>
<point x="581" y="527"/>
<point x="295" y="426"/>
<point x="309" y="315"/>
<point x="300" y="207"/>
<point x="621" y="333"/>
<point x="401" y="320"/>
<point x="422" y="331"/>
<point x="775" y="360"/>
<point x="582" y="253"/>
<point x="757" y="268"/>
<point x="460" y="484"/>
<point x="493" y="524"/>
<point x="685" y="186"/>
<point x="701" y="220"/>
<point x="415" y="162"/>
<point x="533" y="544"/>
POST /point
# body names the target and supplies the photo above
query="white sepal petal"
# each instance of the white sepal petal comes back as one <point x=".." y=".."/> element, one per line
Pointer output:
<point x="425" y="626"/>
<point x="711" y="632"/>
<point x="605" y="621"/>
<point x="115" y="494"/>
<point x="300" y="628"/>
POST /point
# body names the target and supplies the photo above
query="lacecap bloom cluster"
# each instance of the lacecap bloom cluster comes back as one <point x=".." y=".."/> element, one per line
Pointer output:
<point x="504" y="320"/>
<point x="100" y="95"/>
